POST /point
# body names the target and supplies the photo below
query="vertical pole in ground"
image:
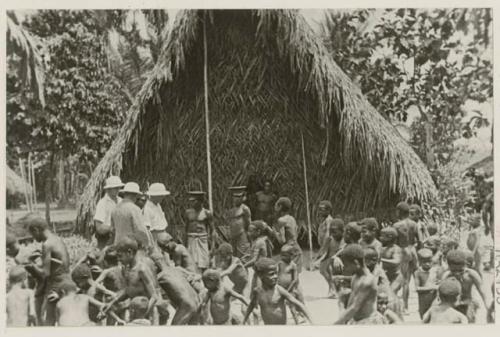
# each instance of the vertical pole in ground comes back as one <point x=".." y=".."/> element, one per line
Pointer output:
<point x="207" y="119"/>
<point x="307" y="201"/>
<point x="25" y="185"/>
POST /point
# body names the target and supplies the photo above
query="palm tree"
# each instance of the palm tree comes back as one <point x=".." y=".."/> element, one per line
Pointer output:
<point x="27" y="48"/>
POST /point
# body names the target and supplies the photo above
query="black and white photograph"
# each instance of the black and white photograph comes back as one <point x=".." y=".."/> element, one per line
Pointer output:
<point x="217" y="166"/>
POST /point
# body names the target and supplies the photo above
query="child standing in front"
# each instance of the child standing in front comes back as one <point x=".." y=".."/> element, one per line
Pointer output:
<point x="20" y="301"/>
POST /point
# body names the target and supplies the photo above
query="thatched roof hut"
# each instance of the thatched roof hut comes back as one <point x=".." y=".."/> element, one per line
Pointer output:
<point x="15" y="184"/>
<point x="270" y="78"/>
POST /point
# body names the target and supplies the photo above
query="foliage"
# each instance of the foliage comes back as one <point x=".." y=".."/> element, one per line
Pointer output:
<point x="431" y="60"/>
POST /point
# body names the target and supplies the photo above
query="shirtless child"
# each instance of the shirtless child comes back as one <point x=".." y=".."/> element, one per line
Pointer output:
<point x="138" y="312"/>
<point x="177" y="252"/>
<point x="474" y="243"/>
<point x="382" y="307"/>
<point x="444" y="313"/>
<point x="427" y="278"/>
<point x="288" y="276"/>
<point x="232" y="267"/>
<point x="433" y="243"/>
<point x="391" y="258"/>
<point x="20" y="300"/>
<point x="361" y="307"/>
<point x="331" y="246"/>
<point x="219" y="295"/>
<point x="468" y="278"/>
<point x="369" y="232"/>
<point x="73" y="309"/>
<point x="270" y="296"/>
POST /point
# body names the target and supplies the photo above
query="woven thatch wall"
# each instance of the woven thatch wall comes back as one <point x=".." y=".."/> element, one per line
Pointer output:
<point x="269" y="80"/>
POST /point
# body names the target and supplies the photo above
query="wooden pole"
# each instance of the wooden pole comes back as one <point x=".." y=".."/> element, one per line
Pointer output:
<point x="307" y="201"/>
<point x="32" y="181"/>
<point x="21" y="167"/>
<point x="207" y="119"/>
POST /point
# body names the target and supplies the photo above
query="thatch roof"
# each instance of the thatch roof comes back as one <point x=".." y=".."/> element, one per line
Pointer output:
<point x="485" y="165"/>
<point x="15" y="184"/>
<point x="270" y="78"/>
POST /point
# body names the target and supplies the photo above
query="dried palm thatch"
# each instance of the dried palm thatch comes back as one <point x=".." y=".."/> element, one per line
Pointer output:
<point x="269" y="78"/>
<point x="14" y="183"/>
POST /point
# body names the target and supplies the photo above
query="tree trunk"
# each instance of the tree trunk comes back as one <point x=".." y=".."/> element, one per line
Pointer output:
<point x="61" y="184"/>
<point x="429" y="151"/>
<point x="48" y="189"/>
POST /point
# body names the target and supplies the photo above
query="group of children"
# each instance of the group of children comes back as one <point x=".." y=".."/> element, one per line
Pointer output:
<point x="368" y="269"/>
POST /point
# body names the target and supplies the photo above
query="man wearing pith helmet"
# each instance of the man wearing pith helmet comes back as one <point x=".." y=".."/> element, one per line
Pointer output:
<point x="127" y="219"/>
<point x="102" y="216"/>
<point x="153" y="213"/>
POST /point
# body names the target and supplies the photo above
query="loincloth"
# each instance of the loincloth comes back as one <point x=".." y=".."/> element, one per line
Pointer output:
<point x="376" y="318"/>
<point x="197" y="246"/>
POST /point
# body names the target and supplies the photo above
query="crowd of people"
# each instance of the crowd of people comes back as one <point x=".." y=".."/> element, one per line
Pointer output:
<point x="138" y="274"/>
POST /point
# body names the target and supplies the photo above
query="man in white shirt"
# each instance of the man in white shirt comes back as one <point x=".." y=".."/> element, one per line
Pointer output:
<point x="154" y="217"/>
<point x="102" y="216"/>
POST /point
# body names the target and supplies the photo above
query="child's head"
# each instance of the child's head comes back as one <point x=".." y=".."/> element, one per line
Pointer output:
<point x="388" y="236"/>
<point x="382" y="302"/>
<point x="225" y="253"/>
<point x="287" y="252"/>
<point x="111" y="256"/>
<point x="369" y="229"/>
<point x="82" y="275"/>
<point x="256" y="229"/>
<point x="403" y="210"/>
<point x="102" y="233"/>
<point x="415" y="212"/>
<point x="371" y="257"/>
<point x="325" y="208"/>
<point x="352" y="232"/>
<point x="138" y="307"/>
<point x="17" y="274"/>
<point x="469" y="258"/>
<point x="425" y="258"/>
<point x="456" y="261"/>
<point x="166" y="242"/>
<point x="432" y="228"/>
<point x="433" y="243"/>
<point x="353" y="258"/>
<point x="126" y="249"/>
<point x="337" y="229"/>
<point x="266" y="269"/>
<point x="211" y="279"/>
<point x="12" y="245"/>
<point x="67" y="287"/>
<point x="37" y="227"/>
<point x="448" y="244"/>
<point x="449" y="290"/>
<point x="283" y="205"/>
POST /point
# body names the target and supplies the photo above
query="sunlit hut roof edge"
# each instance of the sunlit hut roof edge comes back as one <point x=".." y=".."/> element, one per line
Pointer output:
<point x="367" y="143"/>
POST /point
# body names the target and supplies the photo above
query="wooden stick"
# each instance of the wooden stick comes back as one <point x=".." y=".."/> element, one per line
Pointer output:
<point x="24" y="185"/>
<point x="307" y="201"/>
<point x="207" y="119"/>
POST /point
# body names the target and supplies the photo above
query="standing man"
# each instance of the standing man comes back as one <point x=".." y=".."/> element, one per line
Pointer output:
<point x="422" y="231"/>
<point x="127" y="219"/>
<point x="102" y="216"/>
<point x="325" y="209"/>
<point x="53" y="272"/>
<point x="199" y="230"/>
<point x="265" y="203"/>
<point x="238" y="218"/>
<point x="153" y="213"/>
<point x="407" y="239"/>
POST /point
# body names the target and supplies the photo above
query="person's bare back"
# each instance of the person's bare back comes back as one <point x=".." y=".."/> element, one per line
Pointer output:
<point x="272" y="305"/>
<point x="20" y="306"/>
<point x="182" y="258"/>
<point x="444" y="314"/>
<point x="365" y="286"/>
<point x="73" y="310"/>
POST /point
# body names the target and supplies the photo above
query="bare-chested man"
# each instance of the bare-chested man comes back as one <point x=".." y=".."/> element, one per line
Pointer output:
<point x="265" y="203"/>
<point x="54" y="270"/>
<point x="238" y="219"/>
<point x="176" y="251"/>
<point x="407" y="239"/>
<point x="361" y="308"/>
<point x="200" y="232"/>
<point x="270" y="297"/>
<point x="180" y="293"/>
<point x="287" y="229"/>
<point x="325" y="218"/>
<point x="137" y="273"/>
<point x="390" y="256"/>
